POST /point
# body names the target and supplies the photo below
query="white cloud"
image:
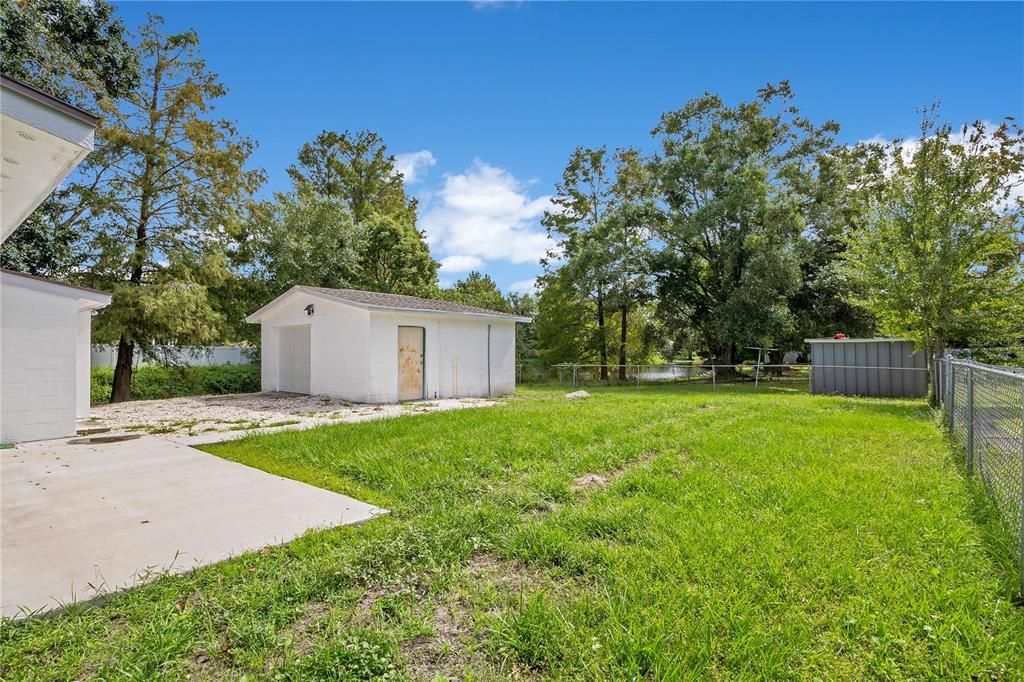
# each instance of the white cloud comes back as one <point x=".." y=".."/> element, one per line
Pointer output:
<point x="458" y="263"/>
<point x="524" y="286"/>
<point x="488" y="213"/>
<point x="413" y="165"/>
<point x="494" y="4"/>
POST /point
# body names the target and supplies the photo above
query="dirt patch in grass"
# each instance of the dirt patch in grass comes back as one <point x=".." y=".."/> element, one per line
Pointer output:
<point x="445" y="652"/>
<point x="590" y="481"/>
<point x="449" y="650"/>
<point x="301" y="631"/>
<point x="587" y="481"/>
<point x="508" y="574"/>
<point x="365" y="606"/>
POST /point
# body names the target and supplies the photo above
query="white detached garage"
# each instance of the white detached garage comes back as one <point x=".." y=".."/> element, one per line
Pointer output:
<point x="366" y="346"/>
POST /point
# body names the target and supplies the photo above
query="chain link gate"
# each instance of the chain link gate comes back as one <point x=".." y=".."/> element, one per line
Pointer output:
<point x="983" y="407"/>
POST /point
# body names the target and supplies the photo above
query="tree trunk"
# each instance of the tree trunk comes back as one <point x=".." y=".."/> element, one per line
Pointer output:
<point x="622" y="343"/>
<point x="122" y="389"/>
<point x="726" y="354"/>
<point x="602" y="340"/>
<point x="934" y="348"/>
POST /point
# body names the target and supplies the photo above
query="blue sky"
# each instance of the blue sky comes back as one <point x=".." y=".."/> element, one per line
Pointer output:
<point x="483" y="103"/>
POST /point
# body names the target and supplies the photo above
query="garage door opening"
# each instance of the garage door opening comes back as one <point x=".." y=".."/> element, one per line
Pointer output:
<point x="410" y="363"/>
<point x="293" y="359"/>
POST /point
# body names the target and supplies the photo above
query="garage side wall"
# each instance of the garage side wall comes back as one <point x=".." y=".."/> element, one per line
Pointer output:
<point x="455" y="356"/>
<point x="38" y="333"/>
<point x="463" y="359"/>
<point x="339" y="346"/>
<point x="503" y="358"/>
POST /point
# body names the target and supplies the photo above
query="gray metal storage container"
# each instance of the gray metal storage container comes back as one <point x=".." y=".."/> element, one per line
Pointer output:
<point x="869" y="367"/>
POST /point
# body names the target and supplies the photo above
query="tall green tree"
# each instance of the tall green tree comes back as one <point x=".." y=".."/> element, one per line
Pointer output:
<point x="307" y="238"/>
<point x="601" y="223"/>
<point x="826" y="301"/>
<point x="626" y="234"/>
<point x="356" y="169"/>
<point x="582" y="198"/>
<point x="347" y="222"/>
<point x="478" y="290"/>
<point x="81" y="53"/>
<point x="734" y="182"/>
<point x="394" y="257"/>
<point x="173" y="192"/>
<point x="524" y="305"/>
<point x="939" y="254"/>
<point x="566" y="324"/>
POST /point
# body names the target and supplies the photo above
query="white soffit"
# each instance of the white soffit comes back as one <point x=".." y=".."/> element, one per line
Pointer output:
<point x="42" y="140"/>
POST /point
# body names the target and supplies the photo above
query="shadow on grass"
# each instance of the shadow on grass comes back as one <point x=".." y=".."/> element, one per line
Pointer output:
<point x="998" y="541"/>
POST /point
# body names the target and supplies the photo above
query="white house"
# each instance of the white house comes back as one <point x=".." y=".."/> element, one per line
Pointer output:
<point x="44" y="325"/>
<point x="372" y="347"/>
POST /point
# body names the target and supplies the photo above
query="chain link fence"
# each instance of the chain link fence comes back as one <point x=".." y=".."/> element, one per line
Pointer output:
<point x="983" y="407"/>
<point x="577" y="376"/>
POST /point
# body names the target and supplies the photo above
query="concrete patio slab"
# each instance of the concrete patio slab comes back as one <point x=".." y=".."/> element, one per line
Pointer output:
<point x="80" y="521"/>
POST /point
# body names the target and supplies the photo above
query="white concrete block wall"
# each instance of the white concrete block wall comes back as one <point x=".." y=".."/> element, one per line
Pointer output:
<point x="503" y="358"/>
<point x="463" y="359"/>
<point x="455" y="353"/>
<point x="38" y="361"/>
<point x="339" y="346"/>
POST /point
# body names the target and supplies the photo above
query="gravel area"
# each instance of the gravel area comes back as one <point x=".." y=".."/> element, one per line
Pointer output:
<point x="209" y="419"/>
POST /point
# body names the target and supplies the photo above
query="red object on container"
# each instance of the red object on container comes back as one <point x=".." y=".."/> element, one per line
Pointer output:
<point x="839" y="336"/>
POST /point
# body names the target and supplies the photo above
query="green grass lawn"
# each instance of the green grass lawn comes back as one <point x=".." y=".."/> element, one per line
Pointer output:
<point x="656" y="533"/>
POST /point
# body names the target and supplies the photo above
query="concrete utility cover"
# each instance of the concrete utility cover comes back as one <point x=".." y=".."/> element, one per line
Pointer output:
<point x="82" y="520"/>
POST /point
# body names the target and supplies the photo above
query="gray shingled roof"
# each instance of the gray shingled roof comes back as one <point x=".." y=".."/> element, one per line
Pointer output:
<point x="15" y="273"/>
<point x="376" y="299"/>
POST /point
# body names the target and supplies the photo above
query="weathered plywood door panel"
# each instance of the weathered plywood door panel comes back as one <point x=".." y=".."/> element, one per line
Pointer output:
<point x="410" y="363"/>
<point x="293" y="359"/>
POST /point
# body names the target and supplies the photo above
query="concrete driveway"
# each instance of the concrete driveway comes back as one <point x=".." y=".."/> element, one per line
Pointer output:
<point x="79" y="521"/>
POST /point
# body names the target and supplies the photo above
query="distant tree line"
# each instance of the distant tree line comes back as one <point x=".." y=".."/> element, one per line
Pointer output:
<point x="750" y="226"/>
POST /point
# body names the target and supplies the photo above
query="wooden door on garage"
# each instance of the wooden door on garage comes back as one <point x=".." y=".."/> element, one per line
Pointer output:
<point x="410" y="363"/>
<point x="293" y="359"/>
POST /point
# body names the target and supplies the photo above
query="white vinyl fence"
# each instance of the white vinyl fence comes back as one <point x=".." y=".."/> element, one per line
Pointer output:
<point x="106" y="356"/>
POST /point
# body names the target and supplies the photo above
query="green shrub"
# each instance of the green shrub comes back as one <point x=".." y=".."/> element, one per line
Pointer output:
<point x="152" y="382"/>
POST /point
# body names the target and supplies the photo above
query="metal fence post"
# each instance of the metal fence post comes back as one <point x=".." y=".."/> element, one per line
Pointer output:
<point x="951" y="393"/>
<point x="970" y="420"/>
<point x="714" y="383"/>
